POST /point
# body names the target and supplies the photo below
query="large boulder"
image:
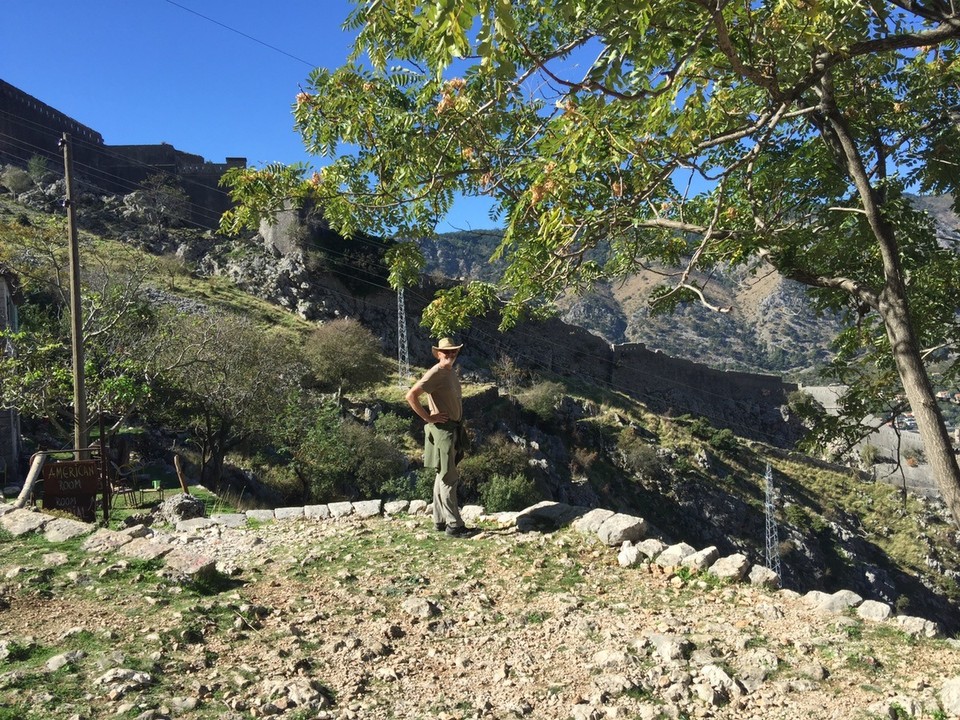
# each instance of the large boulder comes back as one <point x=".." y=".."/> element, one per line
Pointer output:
<point x="180" y="507"/>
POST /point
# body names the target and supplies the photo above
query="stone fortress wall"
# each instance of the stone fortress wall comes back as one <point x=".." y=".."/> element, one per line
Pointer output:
<point x="29" y="127"/>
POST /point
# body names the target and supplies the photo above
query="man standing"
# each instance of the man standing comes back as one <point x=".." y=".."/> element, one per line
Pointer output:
<point x="444" y="433"/>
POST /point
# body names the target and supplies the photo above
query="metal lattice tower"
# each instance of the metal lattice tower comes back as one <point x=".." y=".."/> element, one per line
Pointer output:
<point x="773" y="541"/>
<point x="403" y="355"/>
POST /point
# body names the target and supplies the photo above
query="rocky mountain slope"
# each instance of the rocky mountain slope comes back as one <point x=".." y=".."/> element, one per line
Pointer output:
<point x="771" y="327"/>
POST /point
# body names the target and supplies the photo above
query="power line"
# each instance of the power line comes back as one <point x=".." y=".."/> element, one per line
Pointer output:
<point x="243" y="34"/>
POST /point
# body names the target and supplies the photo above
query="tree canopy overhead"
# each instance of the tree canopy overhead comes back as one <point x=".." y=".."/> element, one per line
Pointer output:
<point x="619" y="135"/>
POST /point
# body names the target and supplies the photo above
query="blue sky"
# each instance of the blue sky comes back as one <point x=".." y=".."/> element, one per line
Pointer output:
<point x="150" y="71"/>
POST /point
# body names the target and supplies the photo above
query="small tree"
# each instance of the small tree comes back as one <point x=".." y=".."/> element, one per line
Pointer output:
<point x="165" y="202"/>
<point x="37" y="167"/>
<point x="343" y="355"/>
<point x="230" y="379"/>
<point x="121" y="330"/>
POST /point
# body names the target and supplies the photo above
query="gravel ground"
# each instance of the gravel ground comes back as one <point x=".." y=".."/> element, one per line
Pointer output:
<point x="388" y="619"/>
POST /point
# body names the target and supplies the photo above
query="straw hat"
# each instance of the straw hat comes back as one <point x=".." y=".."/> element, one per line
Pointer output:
<point x="445" y="344"/>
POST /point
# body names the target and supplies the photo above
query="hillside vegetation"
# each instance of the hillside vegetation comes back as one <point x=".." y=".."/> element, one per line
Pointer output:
<point x="303" y="432"/>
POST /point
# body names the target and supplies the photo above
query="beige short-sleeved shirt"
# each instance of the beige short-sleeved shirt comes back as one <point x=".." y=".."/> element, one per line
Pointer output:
<point x="443" y="392"/>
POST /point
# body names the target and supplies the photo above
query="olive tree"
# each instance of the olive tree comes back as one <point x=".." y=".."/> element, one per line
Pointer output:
<point x="229" y="380"/>
<point x="619" y="135"/>
<point x="345" y="355"/>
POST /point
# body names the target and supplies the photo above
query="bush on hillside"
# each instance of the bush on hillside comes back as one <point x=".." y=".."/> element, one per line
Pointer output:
<point x="542" y="399"/>
<point x="416" y="485"/>
<point x="498" y="456"/>
<point x="639" y="456"/>
<point x="509" y="493"/>
<point x="724" y="442"/>
<point x="343" y="460"/>
<point x="17" y="180"/>
<point x="345" y="356"/>
<point x="392" y="427"/>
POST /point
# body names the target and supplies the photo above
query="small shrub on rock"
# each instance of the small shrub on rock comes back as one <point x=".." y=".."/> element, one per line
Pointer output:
<point x="542" y="400"/>
<point x="639" y="456"/>
<point x="17" y="180"/>
<point x="509" y="493"/>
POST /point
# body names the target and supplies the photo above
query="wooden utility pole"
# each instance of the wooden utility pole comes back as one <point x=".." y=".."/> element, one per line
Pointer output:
<point x="80" y="434"/>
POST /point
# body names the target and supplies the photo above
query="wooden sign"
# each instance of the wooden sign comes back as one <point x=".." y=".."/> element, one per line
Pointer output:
<point x="72" y="487"/>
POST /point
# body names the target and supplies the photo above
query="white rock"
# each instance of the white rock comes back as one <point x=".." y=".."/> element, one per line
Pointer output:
<point x="651" y="547"/>
<point x="719" y="679"/>
<point x="340" y="509"/>
<point x="395" y="507"/>
<point x="950" y="696"/>
<point x="591" y="522"/>
<point x="874" y="610"/>
<point x="368" y="508"/>
<point x="288" y="513"/>
<point x="471" y="513"/>
<point x="419" y="607"/>
<point x="619" y="527"/>
<point x="887" y="708"/>
<point x="628" y="556"/>
<point x="731" y="567"/>
<point x="917" y="626"/>
<point x="815" y="598"/>
<point x="674" y="554"/>
<point x="417" y="507"/>
<point x="316" y="512"/>
<point x="762" y="576"/>
<point x="701" y="559"/>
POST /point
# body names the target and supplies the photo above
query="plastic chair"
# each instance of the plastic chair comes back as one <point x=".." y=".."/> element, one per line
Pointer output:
<point x="155" y="486"/>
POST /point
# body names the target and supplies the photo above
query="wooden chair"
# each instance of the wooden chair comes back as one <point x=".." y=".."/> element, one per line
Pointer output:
<point x="125" y="482"/>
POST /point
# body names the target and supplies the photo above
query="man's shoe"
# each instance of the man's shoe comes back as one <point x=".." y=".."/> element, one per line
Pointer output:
<point x="440" y="526"/>
<point x="457" y="531"/>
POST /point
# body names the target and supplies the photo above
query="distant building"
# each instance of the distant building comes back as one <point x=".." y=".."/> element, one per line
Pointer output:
<point x="9" y="419"/>
<point x="29" y="127"/>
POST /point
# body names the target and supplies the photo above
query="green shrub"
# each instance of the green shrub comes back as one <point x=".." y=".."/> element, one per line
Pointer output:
<point x="392" y="427"/>
<point x="701" y="429"/>
<point x="373" y="460"/>
<point x="542" y="399"/>
<point x="37" y="167"/>
<point x="639" y="456"/>
<point x="342" y="459"/>
<point x="16" y="179"/>
<point x="417" y="485"/>
<point x="724" y="442"/>
<point x="498" y="456"/>
<point x="509" y="493"/>
<point x="869" y="454"/>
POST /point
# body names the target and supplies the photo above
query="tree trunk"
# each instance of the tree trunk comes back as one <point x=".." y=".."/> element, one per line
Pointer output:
<point x="892" y="305"/>
<point x="217" y="445"/>
<point x="923" y="401"/>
